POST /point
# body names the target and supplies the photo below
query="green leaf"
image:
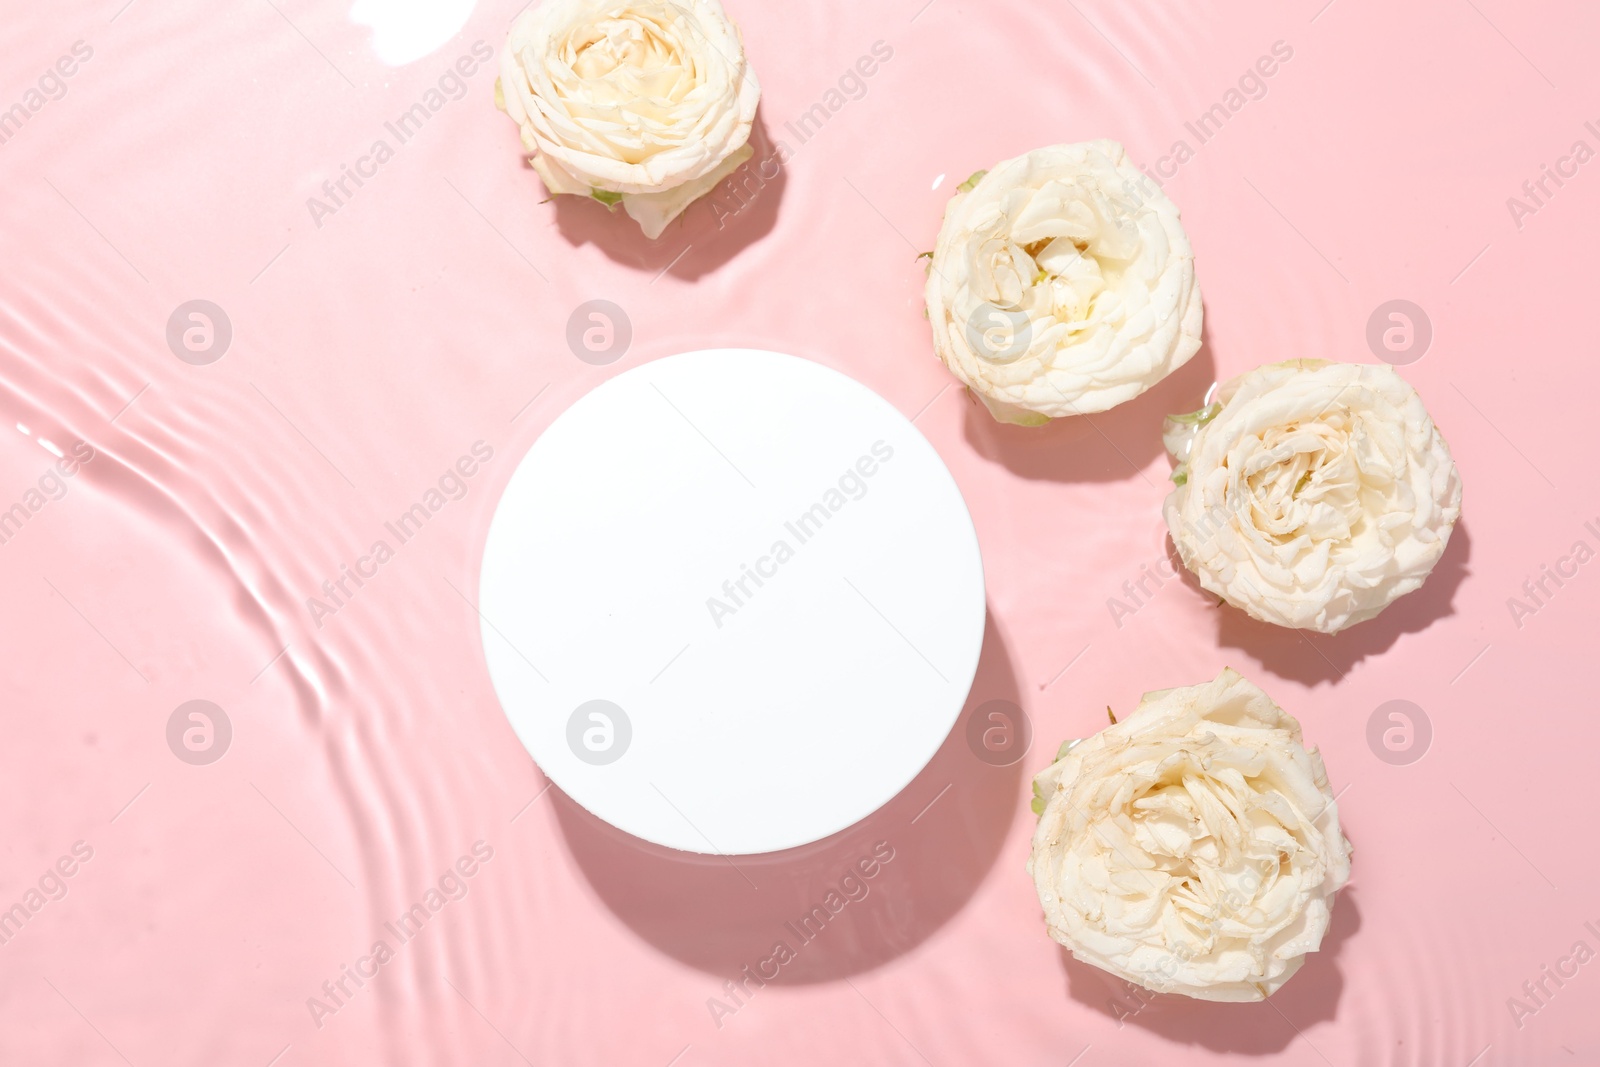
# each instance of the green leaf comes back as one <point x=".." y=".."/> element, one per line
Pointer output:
<point x="972" y="182"/>
<point x="608" y="199"/>
<point x="1180" y="474"/>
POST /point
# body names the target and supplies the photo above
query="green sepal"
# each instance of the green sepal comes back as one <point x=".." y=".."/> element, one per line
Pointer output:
<point x="1197" y="418"/>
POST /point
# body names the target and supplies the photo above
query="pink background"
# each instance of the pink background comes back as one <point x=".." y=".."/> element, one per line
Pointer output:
<point x="429" y="313"/>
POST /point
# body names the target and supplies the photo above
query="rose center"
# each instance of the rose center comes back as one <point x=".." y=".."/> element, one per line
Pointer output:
<point x="633" y="62"/>
<point x="1199" y="838"/>
<point x="1302" y="480"/>
<point x="1056" y="254"/>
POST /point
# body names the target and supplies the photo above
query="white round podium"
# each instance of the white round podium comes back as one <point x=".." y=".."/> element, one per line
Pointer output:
<point x="732" y="601"/>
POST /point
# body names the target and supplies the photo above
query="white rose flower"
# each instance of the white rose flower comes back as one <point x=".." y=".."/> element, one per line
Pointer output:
<point x="1062" y="284"/>
<point x="1192" y="848"/>
<point x="648" y="103"/>
<point x="1312" y="494"/>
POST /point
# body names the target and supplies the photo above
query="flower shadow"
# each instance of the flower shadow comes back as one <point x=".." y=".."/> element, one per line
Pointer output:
<point x="1313" y="658"/>
<point x="1256" y="1029"/>
<point x="721" y="914"/>
<point x="1105" y="447"/>
<point x="740" y="210"/>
